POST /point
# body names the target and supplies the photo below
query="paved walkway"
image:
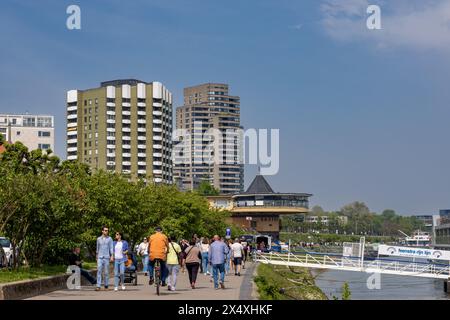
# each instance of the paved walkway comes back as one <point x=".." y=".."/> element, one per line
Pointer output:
<point x="236" y="287"/>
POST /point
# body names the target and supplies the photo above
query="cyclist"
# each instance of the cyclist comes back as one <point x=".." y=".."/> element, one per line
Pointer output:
<point x="158" y="246"/>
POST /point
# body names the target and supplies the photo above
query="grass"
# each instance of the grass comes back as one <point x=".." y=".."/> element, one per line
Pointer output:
<point x="25" y="273"/>
<point x="281" y="283"/>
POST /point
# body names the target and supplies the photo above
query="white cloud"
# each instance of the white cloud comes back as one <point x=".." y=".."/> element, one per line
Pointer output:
<point x="420" y="25"/>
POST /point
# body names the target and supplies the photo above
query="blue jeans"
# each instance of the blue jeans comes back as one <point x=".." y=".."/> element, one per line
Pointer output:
<point x="216" y="269"/>
<point x="102" y="265"/>
<point x="163" y="268"/>
<point x="119" y="271"/>
<point x="205" y="265"/>
<point x="227" y="264"/>
<point x="145" y="262"/>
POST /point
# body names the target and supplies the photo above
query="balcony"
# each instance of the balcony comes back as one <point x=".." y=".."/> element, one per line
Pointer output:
<point x="126" y="163"/>
<point x="157" y="104"/>
<point x="126" y="121"/>
<point x="110" y="104"/>
<point x="72" y="124"/>
<point x="142" y="146"/>
<point x="110" y="129"/>
<point x="126" y="113"/>
<point x="156" y="121"/>
<point x="142" y="121"/>
<point x="111" y="113"/>
<point x="157" y="180"/>
<point x="126" y="155"/>
<point x="126" y="104"/>
<point x="127" y="138"/>
<point x="111" y="155"/>
<point x="72" y="108"/>
<point x="142" y="138"/>
<point x="70" y="141"/>
<point x="157" y="130"/>
<point x="72" y="149"/>
<point x="157" y="138"/>
<point x="142" y="171"/>
<point x="126" y="129"/>
<point x="72" y="158"/>
<point x="142" y="163"/>
<point x="110" y="163"/>
<point x="142" y="130"/>
<point x="157" y="113"/>
<point x="141" y="104"/>
<point x="110" y="146"/>
<point x="126" y="146"/>
<point x="112" y="121"/>
<point x="142" y="155"/>
<point x="157" y="146"/>
<point x="72" y="133"/>
<point x="157" y="171"/>
<point x="141" y="113"/>
<point x="157" y="163"/>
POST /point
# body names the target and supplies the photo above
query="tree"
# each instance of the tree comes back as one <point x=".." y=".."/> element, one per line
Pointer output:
<point x="206" y="189"/>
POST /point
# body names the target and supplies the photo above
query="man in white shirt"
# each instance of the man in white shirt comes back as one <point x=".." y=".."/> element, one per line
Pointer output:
<point x="237" y="252"/>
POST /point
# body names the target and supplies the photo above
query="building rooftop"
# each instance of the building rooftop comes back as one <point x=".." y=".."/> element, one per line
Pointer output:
<point x="119" y="82"/>
<point x="259" y="186"/>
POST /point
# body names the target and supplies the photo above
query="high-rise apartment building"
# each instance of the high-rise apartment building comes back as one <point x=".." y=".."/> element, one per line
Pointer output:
<point x="124" y="126"/>
<point x="34" y="131"/>
<point x="209" y="106"/>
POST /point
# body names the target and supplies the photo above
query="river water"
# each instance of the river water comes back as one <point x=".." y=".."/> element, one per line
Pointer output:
<point x="392" y="287"/>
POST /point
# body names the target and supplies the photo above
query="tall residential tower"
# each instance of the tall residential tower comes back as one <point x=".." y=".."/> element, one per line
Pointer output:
<point x="123" y="126"/>
<point x="209" y="106"/>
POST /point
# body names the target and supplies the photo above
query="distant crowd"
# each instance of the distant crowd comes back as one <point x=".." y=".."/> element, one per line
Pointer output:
<point x="214" y="257"/>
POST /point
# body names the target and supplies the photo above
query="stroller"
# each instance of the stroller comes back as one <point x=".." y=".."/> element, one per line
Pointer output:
<point x="131" y="275"/>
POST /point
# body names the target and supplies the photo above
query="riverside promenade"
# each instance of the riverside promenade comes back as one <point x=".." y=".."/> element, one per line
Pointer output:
<point x="236" y="288"/>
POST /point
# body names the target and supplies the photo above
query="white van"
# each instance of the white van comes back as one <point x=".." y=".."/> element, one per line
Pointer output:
<point x="5" y="259"/>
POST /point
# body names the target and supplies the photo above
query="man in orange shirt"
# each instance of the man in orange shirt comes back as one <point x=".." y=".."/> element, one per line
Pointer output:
<point x="158" y="246"/>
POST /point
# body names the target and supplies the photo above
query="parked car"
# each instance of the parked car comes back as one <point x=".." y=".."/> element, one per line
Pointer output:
<point x="5" y="252"/>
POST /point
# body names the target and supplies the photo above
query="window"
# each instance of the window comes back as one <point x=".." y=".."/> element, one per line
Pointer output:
<point x="44" y="134"/>
<point x="44" y="122"/>
<point x="43" y="146"/>
<point x="18" y="133"/>
<point x="29" y="122"/>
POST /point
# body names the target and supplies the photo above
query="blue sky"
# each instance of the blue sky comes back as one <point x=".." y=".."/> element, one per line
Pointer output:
<point x="363" y="115"/>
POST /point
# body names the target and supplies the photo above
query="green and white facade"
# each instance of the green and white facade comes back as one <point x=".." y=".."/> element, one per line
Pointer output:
<point x="124" y="126"/>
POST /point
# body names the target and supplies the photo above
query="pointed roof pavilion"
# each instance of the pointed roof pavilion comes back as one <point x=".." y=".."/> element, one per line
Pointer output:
<point x="259" y="186"/>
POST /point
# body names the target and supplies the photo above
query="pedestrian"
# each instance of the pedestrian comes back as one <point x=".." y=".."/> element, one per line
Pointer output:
<point x="75" y="260"/>
<point x="193" y="259"/>
<point x="184" y="244"/>
<point x="143" y="252"/>
<point x="174" y="260"/>
<point x="245" y="255"/>
<point x="218" y="251"/>
<point x="205" y="251"/>
<point x="104" y="255"/>
<point x="120" y="257"/>
<point x="230" y="256"/>
<point x="237" y="254"/>
<point x="228" y="259"/>
<point x="158" y="248"/>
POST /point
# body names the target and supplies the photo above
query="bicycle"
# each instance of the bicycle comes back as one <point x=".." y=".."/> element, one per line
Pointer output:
<point x="157" y="278"/>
